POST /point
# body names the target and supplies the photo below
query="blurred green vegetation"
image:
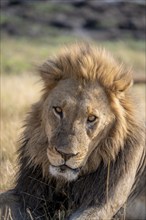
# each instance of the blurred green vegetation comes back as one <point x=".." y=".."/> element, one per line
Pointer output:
<point x="47" y="8"/>
<point x="19" y="55"/>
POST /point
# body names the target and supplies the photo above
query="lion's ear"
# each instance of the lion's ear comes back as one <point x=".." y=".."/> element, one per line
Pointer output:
<point x="123" y="83"/>
<point x="50" y="73"/>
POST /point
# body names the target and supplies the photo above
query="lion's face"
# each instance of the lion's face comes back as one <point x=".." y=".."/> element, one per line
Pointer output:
<point x="77" y="116"/>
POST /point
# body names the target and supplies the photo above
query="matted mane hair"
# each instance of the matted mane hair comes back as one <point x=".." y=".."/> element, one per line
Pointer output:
<point x="85" y="62"/>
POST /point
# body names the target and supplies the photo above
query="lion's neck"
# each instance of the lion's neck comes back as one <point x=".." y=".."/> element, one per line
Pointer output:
<point x="39" y="193"/>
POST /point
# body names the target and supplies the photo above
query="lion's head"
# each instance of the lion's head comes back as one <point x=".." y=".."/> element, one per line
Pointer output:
<point x="83" y="113"/>
<point x="77" y="116"/>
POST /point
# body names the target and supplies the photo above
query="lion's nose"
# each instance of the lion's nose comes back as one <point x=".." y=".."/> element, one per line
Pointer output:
<point x="65" y="154"/>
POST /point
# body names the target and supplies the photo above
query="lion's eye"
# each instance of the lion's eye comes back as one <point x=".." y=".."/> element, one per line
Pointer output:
<point x="58" y="111"/>
<point x="91" y="118"/>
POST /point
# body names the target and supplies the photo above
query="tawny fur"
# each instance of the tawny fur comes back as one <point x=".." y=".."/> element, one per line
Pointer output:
<point x="116" y="158"/>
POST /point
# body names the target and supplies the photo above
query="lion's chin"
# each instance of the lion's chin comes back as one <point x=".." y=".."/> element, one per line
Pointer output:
<point x="64" y="172"/>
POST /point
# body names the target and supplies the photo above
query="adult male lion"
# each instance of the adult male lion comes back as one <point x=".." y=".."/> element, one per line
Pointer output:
<point x="82" y="152"/>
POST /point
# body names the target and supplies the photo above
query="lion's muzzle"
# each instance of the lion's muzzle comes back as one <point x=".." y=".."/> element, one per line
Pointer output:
<point x="64" y="165"/>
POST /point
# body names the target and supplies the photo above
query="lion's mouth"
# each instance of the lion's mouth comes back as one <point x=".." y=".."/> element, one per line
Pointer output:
<point x="64" y="168"/>
<point x="65" y="172"/>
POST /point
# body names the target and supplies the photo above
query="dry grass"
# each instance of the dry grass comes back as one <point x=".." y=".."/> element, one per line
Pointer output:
<point x="19" y="91"/>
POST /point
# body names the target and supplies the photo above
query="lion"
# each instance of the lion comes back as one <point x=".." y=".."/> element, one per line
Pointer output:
<point x="82" y="153"/>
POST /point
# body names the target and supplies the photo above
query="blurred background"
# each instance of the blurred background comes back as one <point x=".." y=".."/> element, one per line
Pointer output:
<point x="33" y="30"/>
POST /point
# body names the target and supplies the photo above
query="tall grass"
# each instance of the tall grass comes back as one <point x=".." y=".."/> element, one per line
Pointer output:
<point x="18" y="92"/>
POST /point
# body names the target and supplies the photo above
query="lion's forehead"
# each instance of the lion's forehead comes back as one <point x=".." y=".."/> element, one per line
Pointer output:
<point x="87" y="99"/>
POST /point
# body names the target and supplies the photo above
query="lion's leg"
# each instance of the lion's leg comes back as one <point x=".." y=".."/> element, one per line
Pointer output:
<point x="119" y="198"/>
